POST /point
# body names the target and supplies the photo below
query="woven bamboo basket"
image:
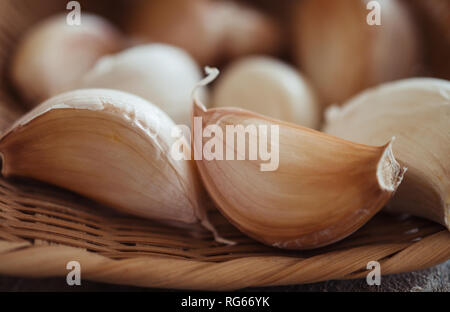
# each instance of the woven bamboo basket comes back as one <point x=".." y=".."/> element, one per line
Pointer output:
<point x="42" y="228"/>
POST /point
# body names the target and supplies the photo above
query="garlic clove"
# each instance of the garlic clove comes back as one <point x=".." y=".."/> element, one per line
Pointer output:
<point x="434" y="20"/>
<point x="342" y="54"/>
<point x="417" y="112"/>
<point x="269" y="87"/>
<point x="54" y="54"/>
<point x="109" y="146"/>
<point x="316" y="190"/>
<point x="244" y="30"/>
<point x="162" y="74"/>
<point x="211" y="31"/>
<point x="186" y="24"/>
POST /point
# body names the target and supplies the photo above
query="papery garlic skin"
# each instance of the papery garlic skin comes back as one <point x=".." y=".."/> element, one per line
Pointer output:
<point x="109" y="146"/>
<point x="324" y="188"/>
<point x="269" y="87"/>
<point x="342" y="54"/>
<point x="53" y="54"/>
<point x="162" y="74"/>
<point x="417" y="112"/>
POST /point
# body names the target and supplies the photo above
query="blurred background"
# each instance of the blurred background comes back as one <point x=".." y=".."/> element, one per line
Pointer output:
<point x="328" y="42"/>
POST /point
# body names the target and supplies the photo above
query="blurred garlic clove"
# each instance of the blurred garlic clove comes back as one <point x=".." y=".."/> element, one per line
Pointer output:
<point x="53" y="54"/>
<point x="269" y="87"/>
<point x="342" y="54"/>
<point x="109" y="146"/>
<point x="417" y="112"/>
<point x="316" y="190"/>
<point x="177" y="22"/>
<point x="209" y="30"/>
<point x="245" y="30"/>
<point x="162" y="74"/>
<point x="433" y="16"/>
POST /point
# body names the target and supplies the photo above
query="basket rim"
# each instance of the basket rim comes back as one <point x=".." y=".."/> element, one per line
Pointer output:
<point x="27" y="260"/>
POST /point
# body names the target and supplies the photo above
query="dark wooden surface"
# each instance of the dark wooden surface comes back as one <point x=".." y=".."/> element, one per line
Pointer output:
<point x="435" y="279"/>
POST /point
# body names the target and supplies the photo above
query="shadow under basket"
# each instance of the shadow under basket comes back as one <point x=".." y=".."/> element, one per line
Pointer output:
<point x="42" y="228"/>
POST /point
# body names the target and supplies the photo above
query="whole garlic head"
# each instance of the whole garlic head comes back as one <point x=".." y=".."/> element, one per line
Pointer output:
<point x="162" y="74"/>
<point x="270" y="87"/>
<point x="53" y="54"/>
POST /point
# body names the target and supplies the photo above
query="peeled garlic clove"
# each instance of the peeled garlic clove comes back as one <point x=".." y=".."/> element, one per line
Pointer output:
<point x="54" y="54"/>
<point x="316" y="189"/>
<point x="162" y="74"/>
<point x="417" y="112"/>
<point x="269" y="87"/>
<point x="342" y="54"/>
<point x="110" y="146"/>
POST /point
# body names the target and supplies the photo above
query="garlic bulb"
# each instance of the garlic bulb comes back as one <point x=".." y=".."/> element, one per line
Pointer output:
<point x="269" y="87"/>
<point x="110" y="146"/>
<point x="160" y="73"/>
<point x="342" y="54"/>
<point x="53" y="54"/>
<point x="417" y="112"/>
<point x="209" y="30"/>
<point x="305" y="189"/>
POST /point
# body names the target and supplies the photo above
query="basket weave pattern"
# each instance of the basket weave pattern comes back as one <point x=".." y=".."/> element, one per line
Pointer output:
<point x="43" y="228"/>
